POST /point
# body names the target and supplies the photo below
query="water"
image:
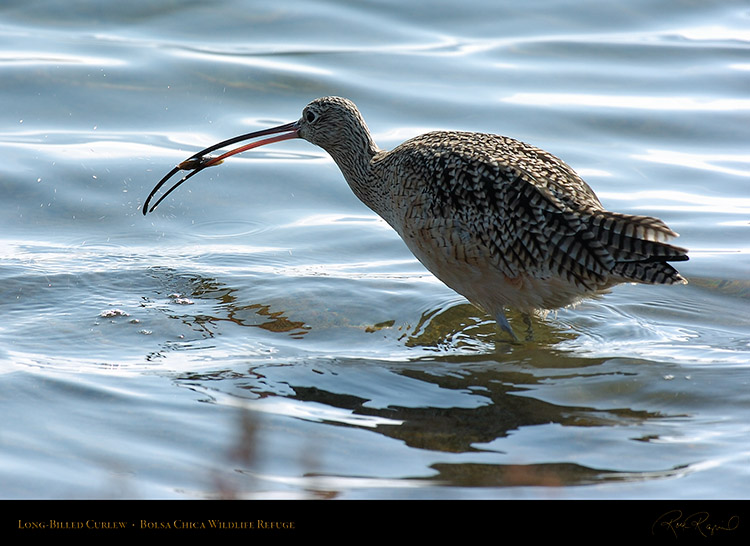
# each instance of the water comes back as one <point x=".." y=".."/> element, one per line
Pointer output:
<point x="264" y="335"/>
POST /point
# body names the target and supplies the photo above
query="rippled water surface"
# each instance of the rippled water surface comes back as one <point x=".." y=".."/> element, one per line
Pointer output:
<point x="264" y="335"/>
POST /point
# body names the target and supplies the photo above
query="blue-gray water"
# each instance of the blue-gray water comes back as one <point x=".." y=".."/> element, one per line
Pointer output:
<point x="264" y="335"/>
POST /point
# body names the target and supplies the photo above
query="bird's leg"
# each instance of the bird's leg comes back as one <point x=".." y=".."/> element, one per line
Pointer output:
<point x="529" y="327"/>
<point x="504" y="325"/>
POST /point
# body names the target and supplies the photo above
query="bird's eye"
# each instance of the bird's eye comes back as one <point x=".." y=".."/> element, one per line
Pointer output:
<point x="310" y="116"/>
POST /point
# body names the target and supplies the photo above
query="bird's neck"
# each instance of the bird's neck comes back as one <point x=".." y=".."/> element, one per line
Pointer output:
<point x="356" y="163"/>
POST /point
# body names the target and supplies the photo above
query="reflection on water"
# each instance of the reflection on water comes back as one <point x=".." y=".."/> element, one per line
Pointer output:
<point x="470" y="429"/>
<point x="486" y="390"/>
<point x="460" y="328"/>
<point x="238" y="313"/>
<point x="463" y="327"/>
<point x="540" y="475"/>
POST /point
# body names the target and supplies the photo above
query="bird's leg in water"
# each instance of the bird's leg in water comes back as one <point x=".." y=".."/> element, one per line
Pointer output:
<point x="504" y="325"/>
<point x="529" y="327"/>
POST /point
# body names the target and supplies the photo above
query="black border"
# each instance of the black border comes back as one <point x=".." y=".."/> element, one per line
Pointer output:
<point x="663" y="521"/>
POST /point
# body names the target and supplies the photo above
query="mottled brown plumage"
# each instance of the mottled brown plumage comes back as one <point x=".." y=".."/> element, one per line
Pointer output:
<point x="499" y="221"/>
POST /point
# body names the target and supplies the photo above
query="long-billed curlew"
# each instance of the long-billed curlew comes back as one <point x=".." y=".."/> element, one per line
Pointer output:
<point x="499" y="221"/>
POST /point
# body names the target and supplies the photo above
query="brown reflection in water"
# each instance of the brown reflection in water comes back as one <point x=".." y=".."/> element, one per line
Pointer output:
<point x="196" y="287"/>
<point x="535" y="475"/>
<point x="459" y="430"/>
<point x="464" y="326"/>
<point x="498" y="378"/>
<point x="464" y="430"/>
<point x="247" y="315"/>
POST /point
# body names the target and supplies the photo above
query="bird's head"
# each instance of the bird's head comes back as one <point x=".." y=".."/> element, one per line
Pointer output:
<point x="333" y="123"/>
<point x="329" y="122"/>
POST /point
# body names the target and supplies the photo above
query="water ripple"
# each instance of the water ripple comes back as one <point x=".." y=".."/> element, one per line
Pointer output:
<point x="660" y="103"/>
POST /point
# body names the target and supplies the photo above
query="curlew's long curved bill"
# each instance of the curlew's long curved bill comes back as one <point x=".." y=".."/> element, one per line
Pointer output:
<point x="197" y="162"/>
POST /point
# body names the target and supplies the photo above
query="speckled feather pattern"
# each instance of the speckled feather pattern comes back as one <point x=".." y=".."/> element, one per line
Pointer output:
<point x="499" y="221"/>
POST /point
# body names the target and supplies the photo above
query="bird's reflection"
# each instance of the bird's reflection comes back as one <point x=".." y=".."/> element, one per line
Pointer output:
<point x="501" y="385"/>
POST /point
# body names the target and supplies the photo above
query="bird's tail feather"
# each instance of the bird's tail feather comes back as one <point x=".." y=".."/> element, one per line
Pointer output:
<point x="639" y="246"/>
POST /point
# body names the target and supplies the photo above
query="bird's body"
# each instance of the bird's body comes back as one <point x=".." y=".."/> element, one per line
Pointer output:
<point x="501" y="222"/>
